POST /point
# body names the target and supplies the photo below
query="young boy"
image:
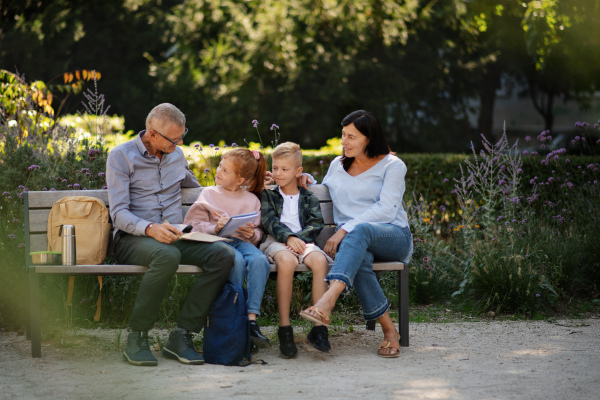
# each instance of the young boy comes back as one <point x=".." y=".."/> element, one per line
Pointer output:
<point x="291" y="217"/>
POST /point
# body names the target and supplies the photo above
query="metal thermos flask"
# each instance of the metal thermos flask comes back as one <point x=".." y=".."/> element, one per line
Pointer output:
<point x="69" y="252"/>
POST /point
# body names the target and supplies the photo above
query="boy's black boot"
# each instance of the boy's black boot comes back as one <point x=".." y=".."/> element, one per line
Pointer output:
<point x="287" y="347"/>
<point x="318" y="337"/>
<point x="137" y="350"/>
<point x="180" y="346"/>
<point x="256" y="336"/>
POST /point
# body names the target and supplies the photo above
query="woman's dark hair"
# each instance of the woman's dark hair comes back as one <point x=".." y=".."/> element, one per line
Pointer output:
<point x="367" y="124"/>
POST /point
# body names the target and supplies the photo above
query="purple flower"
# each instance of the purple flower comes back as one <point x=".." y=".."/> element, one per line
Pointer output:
<point x="76" y="186"/>
<point x="439" y="172"/>
<point x="206" y="170"/>
<point x="416" y="172"/>
<point x="52" y="190"/>
<point x="537" y="295"/>
<point x="104" y="187"/>
<point x="6" y="194"/>
<point x="33" y="167"/>
<point x="550" y="179"/>
<point x="570" y="185"/>
<point x="100" y="174"/>
<point x="525" y="152"/>
<point x="527" y="138"/>
<point x="197" y="145"/>
<point x="20" y="245"/>
<point x="273" y="127"/>
<point x="321" y="162"/>
<point x="446" y="179"/>
<point x="211" y="145"/>
<point x="233" y="144"/>
<point x="254" y="123"/>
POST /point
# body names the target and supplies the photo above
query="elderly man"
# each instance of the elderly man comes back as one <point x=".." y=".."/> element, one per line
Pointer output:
<point x="145" y="177"/>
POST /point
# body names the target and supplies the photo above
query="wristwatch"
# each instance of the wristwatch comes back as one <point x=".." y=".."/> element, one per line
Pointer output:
<point x="148" y="227"/>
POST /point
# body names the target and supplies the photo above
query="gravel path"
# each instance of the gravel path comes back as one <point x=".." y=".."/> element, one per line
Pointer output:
<point x="465" y="360"/>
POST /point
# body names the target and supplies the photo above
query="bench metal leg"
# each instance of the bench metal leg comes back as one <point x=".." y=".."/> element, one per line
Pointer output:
<point x="403" y="305"/>
<point x="371" y="324"/>
<point x="34" y="311"/>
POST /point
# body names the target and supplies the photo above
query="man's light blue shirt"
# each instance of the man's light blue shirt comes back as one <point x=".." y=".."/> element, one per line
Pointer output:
<point x="143" y="189"/>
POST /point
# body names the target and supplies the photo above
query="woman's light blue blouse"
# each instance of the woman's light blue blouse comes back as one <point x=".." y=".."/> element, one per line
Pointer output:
<point x="373" y="196"/>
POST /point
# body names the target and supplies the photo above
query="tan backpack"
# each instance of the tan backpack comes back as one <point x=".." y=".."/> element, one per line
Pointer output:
<point x="89" y="216"/>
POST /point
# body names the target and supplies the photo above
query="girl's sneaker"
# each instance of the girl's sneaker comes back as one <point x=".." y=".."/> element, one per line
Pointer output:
<point x="287" y="347"/>
<point x="318" y="337"/>
<point x="256" y="336"/>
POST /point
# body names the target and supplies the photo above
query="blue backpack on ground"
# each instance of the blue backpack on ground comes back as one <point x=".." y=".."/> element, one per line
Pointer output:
<point x="227" y="329"/>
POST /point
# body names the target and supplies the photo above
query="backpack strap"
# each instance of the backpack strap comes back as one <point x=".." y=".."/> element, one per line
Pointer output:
<point x="261" y="362"/>
<point x="98" y="302"/>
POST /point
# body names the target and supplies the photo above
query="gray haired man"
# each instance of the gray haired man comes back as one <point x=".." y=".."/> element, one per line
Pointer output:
<point x="145" y="177"/>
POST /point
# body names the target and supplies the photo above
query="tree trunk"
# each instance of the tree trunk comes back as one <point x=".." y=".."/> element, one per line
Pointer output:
<point x="487" y="98"/>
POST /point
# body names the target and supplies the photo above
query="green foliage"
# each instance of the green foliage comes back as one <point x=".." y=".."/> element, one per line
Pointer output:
<point x="37" y="154"/>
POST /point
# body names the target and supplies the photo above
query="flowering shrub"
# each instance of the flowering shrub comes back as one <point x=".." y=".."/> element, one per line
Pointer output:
<point x="525" y="233"/>
<point x="37" y="153"/>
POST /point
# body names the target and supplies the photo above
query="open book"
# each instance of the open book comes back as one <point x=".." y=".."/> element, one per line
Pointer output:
<point x="203" y="237"/>
<point x="198" y="236"/>
<point x="235" y="222"/>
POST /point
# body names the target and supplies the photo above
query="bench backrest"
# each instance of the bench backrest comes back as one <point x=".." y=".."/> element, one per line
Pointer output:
<point x="38" y="205"/>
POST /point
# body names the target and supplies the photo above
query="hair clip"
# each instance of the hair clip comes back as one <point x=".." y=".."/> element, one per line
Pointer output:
<point x="256" y="154"/>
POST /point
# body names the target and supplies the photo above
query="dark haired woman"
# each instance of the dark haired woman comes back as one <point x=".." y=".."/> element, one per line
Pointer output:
<point x="366" y="185"/>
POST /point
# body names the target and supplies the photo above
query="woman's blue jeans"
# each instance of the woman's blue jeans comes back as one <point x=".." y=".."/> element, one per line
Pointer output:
<point x="354" y="262"/>
<point x="251" y="266"/>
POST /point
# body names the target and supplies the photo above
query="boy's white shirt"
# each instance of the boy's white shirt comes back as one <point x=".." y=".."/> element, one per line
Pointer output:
<point x="289" y="211"/>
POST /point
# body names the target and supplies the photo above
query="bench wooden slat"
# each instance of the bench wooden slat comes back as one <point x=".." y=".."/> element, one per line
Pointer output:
<point x="105" y="269"/>
<point x="124" y="269"/>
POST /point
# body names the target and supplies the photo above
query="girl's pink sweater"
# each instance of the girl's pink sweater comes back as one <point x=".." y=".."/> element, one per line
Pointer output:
<point x="201" y="214"/>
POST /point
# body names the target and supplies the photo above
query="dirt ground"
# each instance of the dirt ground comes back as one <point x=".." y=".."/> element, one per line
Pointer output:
<point x="464" y="360"/>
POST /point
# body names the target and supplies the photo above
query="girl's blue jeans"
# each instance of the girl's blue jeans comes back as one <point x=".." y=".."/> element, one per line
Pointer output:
<point x="251" y="266"/>
<point x="354" y="262"/>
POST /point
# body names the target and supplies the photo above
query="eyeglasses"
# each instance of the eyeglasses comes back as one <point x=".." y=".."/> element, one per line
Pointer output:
<point x="173" y="142"/>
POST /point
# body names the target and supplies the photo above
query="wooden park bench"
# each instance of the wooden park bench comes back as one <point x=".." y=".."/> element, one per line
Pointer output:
<point x="37" y="209"/>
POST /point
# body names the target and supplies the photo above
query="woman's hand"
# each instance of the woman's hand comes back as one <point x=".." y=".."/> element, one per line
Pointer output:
<point x="296" y="244"/>
<point x="246" y="231"/>
<point x="333" y="243"/>
<point x="303" y="180"/>
<point x="269" y="178"/>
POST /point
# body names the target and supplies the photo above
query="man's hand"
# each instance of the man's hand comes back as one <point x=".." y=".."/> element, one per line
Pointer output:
<point x="246" y="231"/>
<point x="296" y="244"/>
<point x="303" y="180"/>
<point x="333" y="243"/>
<point x="164" y="233"/>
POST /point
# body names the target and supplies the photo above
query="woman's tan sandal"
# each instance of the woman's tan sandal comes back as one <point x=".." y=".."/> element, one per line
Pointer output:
<point x="319" y="319"/>
<point x="386" y="344"/>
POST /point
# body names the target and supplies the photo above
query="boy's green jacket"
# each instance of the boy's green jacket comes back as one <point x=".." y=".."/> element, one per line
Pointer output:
<point x="309" y="212"/>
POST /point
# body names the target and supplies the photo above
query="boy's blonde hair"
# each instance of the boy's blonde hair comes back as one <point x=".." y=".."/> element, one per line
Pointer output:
<point x="288" y="149"/>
